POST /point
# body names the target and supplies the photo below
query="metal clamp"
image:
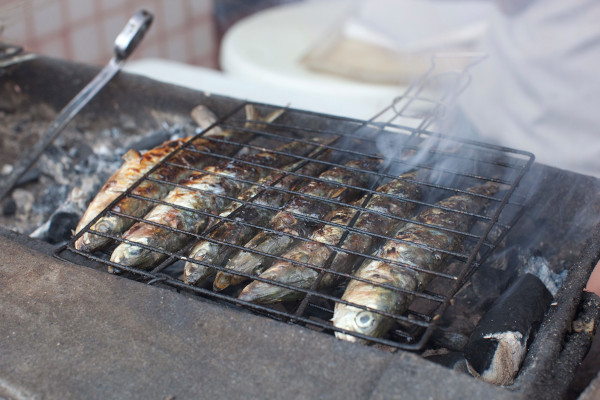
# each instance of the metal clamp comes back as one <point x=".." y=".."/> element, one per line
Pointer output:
<point x="132" y="34"/>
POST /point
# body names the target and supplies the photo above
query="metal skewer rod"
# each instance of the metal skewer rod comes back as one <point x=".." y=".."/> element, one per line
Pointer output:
<point x="125" y="43"/>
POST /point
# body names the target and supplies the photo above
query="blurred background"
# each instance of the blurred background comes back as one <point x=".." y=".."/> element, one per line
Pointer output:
<point x="338" y="57"/>
<point x="187" y="31"/>
<point x="84" y="31"/>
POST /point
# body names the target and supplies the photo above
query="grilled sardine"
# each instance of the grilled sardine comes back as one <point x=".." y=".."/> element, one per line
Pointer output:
<point x="112" y="224"/>
<point x="418" y="247"/>
<point x="290" y="221"/>
<point x="213" y="253"/>
<point x="390" y="201"/>
<point x="200" y="192"/>
<point x="134" y="167"/>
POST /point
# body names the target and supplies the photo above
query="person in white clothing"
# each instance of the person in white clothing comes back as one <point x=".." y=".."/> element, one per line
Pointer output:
<point x="539" y="88"/>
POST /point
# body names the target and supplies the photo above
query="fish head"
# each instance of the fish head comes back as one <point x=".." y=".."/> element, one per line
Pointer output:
<point x="223" y="280"/>
<point x="262" y="292"/>
<point x="283" y="272"/>
<point x="194" y="273"/>
<point x="81" y="243"/>
<point x="360" y="321"/>
<point x="131" y="255"/>
<point x="107" y="225"/>
<point x="90" y="242"/>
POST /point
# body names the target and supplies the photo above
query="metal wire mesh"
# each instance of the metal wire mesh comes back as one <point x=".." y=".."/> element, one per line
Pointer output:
<point x="446" y="166"/>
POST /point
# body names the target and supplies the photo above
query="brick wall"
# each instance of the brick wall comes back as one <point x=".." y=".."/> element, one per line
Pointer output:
<point x="84" y="30"/>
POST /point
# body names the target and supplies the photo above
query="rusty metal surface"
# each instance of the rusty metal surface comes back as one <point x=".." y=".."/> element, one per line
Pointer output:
<point x="72" y="332"/>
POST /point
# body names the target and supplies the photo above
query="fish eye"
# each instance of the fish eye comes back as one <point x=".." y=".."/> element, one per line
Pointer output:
<point x="136" y="251"/>
<point x="103" y="227"/>
<point x="364" y="319"/>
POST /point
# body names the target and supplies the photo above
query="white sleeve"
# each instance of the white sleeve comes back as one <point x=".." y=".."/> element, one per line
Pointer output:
<point x="539" y="89"/>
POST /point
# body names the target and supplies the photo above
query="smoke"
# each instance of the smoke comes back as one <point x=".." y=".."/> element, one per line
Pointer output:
<point x="428" y="107"/>
<point x="561" y="207"/>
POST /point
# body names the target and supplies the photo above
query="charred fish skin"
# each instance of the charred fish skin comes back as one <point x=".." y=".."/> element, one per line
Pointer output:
<point x="136" y="165"/>
<point x="214" y="253"/>
<point x="237" y="234"/>
<point x="112" y="224"/>
<point x="231" y="232"/>
<point x="402" y="205"/>
<point x="285" y="221"/>
<point x="417" y="249"/>
<point x="390" y="200"/>
<point x="199" y="192"/>
<point x="311" y="252"/>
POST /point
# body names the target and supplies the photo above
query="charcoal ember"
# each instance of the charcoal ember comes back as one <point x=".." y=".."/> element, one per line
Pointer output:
<point x="32" y="175"/>
<point x="170" y="120"/>
<point x="19" y="127"/>
<point x="52" y="196"/>
<point x="73" y="168"/>
<point x="29" y="176"/>
<point x="6" y="169"/>
<point x="26" y="214"/>
<point x="9" y="103"/>
<point x="24" y="200"/>
<point x="62" y="221"/>
<point x="497" y="346"/>
<point x="9" y="207"/>
<point x="157" y="137"/>
<point x="61" y="227"/>
<point x="87" y="186"/>
<point x="127" y="122"/>
<point x="82" y="194"/>
<point x="87" y="165"/>
<point x="43" y="112"/>
<point x="87" y="160"/>
<point x="108" y="135"/>
<point x="81" y="152"/>
<point x="489" y="284"/>
<point x="540" y="267"/>
<point x="468" y="307"/>
<point x="56" y="163"/>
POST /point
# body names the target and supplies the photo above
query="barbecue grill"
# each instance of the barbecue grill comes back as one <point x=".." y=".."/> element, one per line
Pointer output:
<point x="500" y="235"/>
<point x="491" y="162"/>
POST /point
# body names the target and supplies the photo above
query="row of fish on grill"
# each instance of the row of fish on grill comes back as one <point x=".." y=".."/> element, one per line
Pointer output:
<point x="371" y="238"/>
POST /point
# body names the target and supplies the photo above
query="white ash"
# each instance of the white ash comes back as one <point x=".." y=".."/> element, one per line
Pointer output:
<point x="24" y="201"/>
<point x="7" y="169"/>
<point x="92" y="174"/>
<point x="507" y="359"/>
<point x="540" y="267"/>
<point x="71" y="171"/>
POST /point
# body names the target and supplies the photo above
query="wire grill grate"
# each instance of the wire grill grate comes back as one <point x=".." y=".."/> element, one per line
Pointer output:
<point x="446" y="166"/>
